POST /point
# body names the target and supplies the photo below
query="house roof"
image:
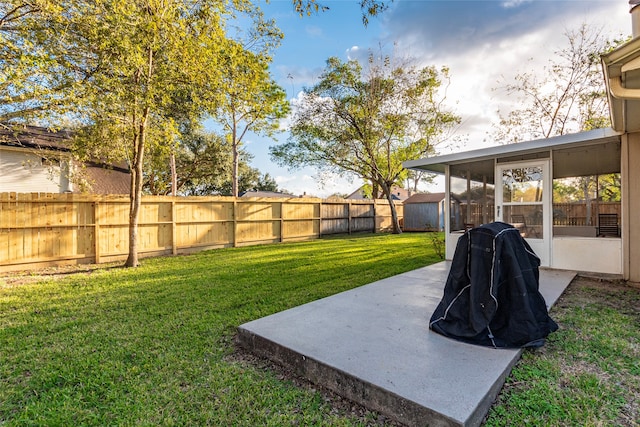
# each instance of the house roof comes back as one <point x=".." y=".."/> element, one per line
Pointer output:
<point x="101" y="178"/>
<point x="425" y="198"/>
<point x="398" y="193"/>
<point x="522" y="150"/>
<point x="106" y="179"/>
<point x="252" y="193"/>
<point x="34" y="137"/>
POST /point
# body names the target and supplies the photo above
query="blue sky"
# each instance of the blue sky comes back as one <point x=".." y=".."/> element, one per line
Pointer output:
<point x="482" y="42"/>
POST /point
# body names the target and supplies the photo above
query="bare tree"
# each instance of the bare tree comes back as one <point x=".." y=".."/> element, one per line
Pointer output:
<point x="567" y="96"/>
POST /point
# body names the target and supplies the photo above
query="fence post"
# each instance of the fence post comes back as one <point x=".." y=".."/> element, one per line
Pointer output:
<point x="174" y="227"/>
<point x="375" y="216"/>
<point x="320" y="203"/>
<point x="349" y="208"/>
<point x="96" y="229"/>
<point x="281" y="222"/>
<point x="235" y="223"/>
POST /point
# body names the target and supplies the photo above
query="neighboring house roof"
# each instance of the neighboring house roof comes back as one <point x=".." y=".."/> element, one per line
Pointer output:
<point x="397" y="193"/>
<point x="425" y="198"/>
<point x="100" y="178"/>
<point x="252" y="193"/>
<point x="107" y="179"/>
<point x="358" y="194"/>
<point x="34" y="137"/>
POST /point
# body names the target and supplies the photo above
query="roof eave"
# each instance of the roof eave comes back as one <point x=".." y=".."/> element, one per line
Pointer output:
<point x="438" y="164"/>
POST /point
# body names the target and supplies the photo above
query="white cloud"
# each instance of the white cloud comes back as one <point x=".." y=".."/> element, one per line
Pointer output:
<point x="492" y="52"/>
<point x="484" y="43"/>
<point x="514" y="3"/>
<point x="354" y="52"/>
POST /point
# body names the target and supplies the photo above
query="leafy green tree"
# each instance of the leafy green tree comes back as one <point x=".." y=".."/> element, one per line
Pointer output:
<point x="42" y="71"/>
<point x="250" y="179"/>
<point x="610" y="187"/>
<point x="367" y="123"/>
<point x="38" y="72"/>
<point x="415" y="177"/>
<point x="565" y="190"/>
<point x="202" y="158"/>
<point x="266" y="182"/>
<point x="16" y="22"/>
<point x="205" y="161"/>
<point x="369" y="8"/>
<point x="146" y="55"/>
<point x="251" y="101"/>
<point x="118" y="68"/>
<point x="147" y="51"/>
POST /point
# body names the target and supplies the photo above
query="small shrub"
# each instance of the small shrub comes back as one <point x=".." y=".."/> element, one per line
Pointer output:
<point x="437" y="241"/>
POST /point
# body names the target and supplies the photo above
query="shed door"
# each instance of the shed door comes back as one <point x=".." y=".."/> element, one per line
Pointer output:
<point x="523" y="199"/>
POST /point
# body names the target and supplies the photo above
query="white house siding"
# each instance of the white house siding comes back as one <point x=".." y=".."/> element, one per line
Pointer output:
<point x="631" y="205"/>
<point x="585" y="254"/>
<point x="23" y="172"/>
<point x="597" y="254"/>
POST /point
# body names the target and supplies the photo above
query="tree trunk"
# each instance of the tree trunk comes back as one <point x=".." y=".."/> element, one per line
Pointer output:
<point x="394" y="216"/>
<point x="234" y="172"/>
<point x="135" y="199"/>
<point x="395" y="222"/>
<point x="375" y="191"/>
<point x="587" y="199"/>
<point x="174" y="175"/>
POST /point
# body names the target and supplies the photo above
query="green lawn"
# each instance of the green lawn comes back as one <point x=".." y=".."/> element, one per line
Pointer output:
<point x="154" y="345"/>
<point x="588" y="372"/>
<point x="151" y="345"/>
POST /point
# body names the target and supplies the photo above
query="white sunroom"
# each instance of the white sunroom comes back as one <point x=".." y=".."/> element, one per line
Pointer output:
<point x="564" y="194"/>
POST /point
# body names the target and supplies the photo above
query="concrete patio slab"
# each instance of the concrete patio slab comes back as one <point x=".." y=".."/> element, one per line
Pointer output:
<point x="373" y="345"/>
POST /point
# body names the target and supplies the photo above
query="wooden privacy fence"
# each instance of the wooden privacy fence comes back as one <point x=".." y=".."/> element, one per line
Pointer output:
<point x="37" y="230"/>
<point x="580" y="214"/>
<point x="573" y="214"/>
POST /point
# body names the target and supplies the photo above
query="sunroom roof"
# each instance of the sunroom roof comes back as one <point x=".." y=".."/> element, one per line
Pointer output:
<point x="437" y="164"/>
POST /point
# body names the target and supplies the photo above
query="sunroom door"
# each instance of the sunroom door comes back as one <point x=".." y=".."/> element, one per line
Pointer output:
<point x="523" y="199"/>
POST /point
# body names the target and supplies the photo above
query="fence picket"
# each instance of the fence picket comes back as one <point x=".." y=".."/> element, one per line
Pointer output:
<point x="42" y="229"/>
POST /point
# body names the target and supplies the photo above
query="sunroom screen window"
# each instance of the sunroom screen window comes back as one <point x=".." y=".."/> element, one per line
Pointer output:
<point x="586" y="188"/>
<point x="581" y="203"/>
<point x="522" y="185"/>
<point x="472" y="195"/>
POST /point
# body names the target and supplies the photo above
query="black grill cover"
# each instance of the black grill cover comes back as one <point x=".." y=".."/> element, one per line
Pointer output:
<point x="491" y="296"/>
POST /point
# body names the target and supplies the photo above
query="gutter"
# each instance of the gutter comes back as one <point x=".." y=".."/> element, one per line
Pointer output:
<point x="620" y="92"/>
